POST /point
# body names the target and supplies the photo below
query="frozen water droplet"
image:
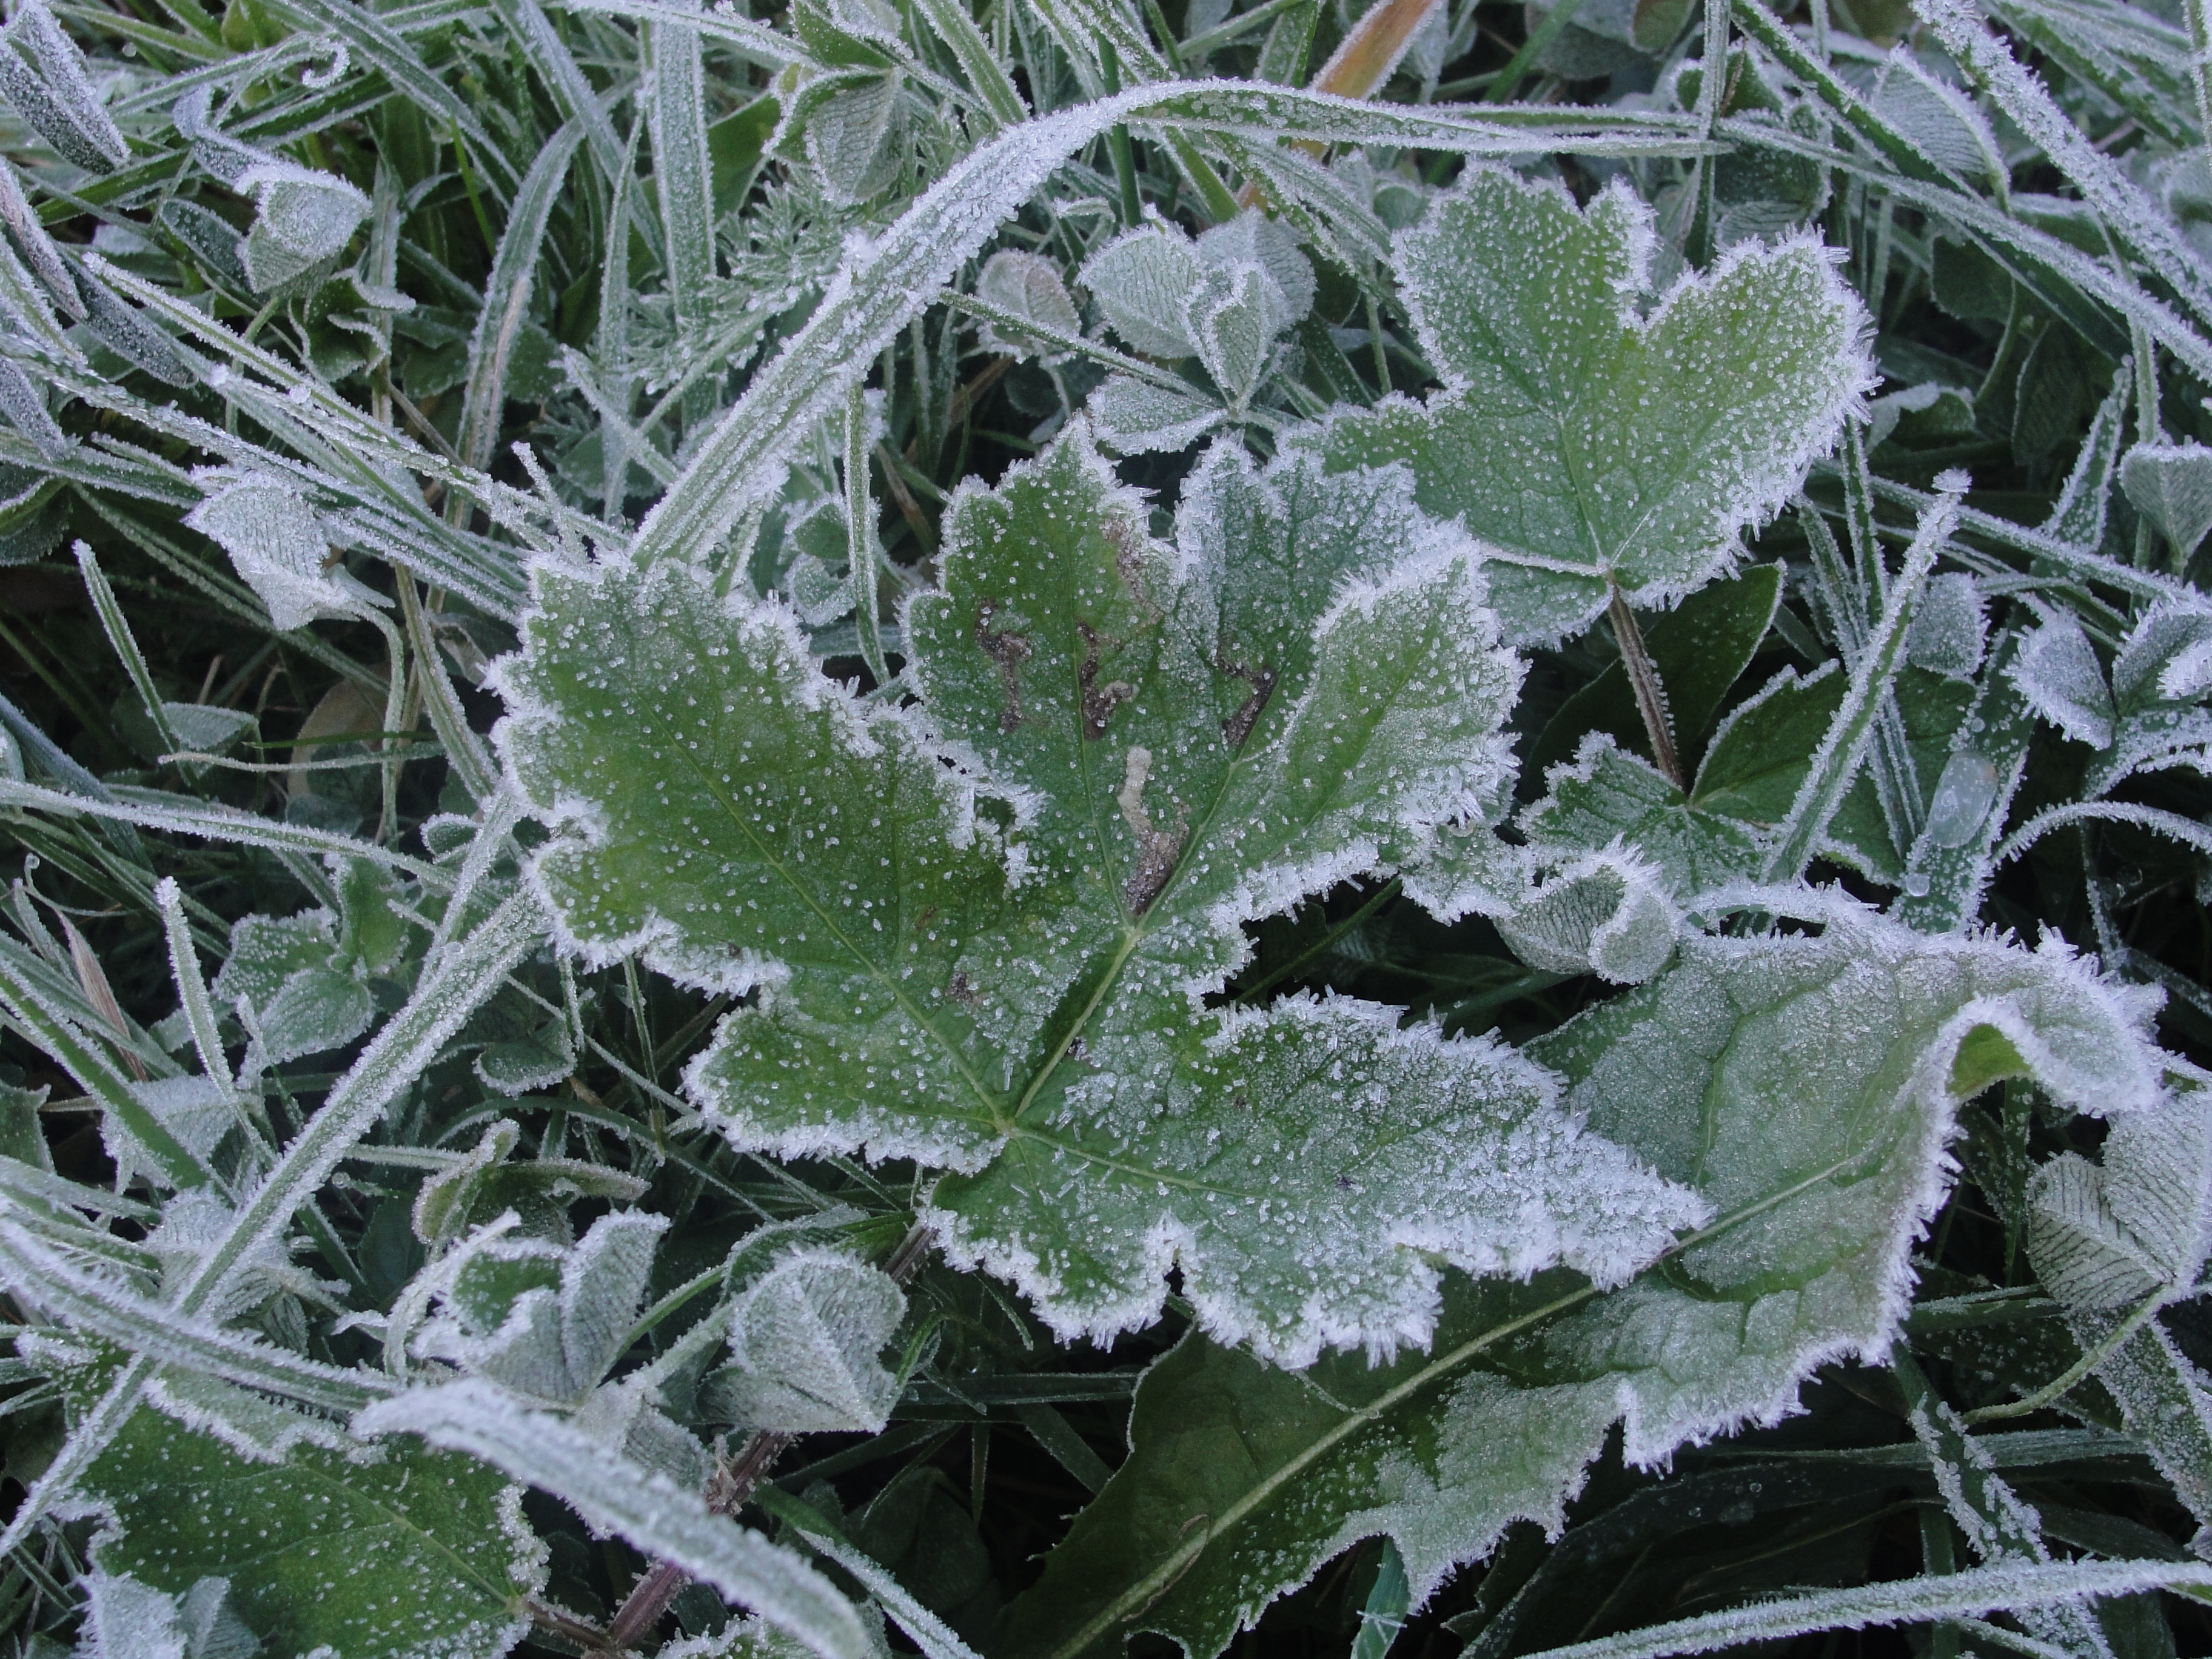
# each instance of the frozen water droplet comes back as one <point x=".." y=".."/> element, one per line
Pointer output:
<point x="1964" y="795"/>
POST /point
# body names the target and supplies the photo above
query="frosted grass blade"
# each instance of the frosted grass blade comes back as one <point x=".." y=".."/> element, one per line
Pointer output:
<point x="370" y="34"/>
<point x="1908" y="1602"/>
<point x="574" y="94"/>
<point x="755" y="42"/>
<point x="184" y="815"/>
<point x="94" y="1303"/>
<point x="506" y="294"/>
<point x="683" y="173"/>
<point x="986" y="77"/>
<point x="2129" y="215"/>
<point x="880" y="288"/>
<point x="1836" y="762"/>
<point x="34" y="1012"/>
<point x="930" y="1633"/>
<point x="118" y="629"/>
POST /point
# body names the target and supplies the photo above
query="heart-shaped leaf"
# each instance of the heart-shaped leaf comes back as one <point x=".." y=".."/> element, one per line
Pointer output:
<point x="2171" y="484"/>
<point x="1584" y="441"/>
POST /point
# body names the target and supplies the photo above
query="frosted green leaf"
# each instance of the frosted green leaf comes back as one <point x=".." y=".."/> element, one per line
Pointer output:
<point x="280" y="547"/>
<point x="1606" y="795"/>
<point x="304" y="977"/>
<point x="2116" y="1243"/>
<point x="2171" y="484"/>
<point x="1253" y="238"/>
<point x="805" y="1340"/>
<point x="851" y="131"/>
<point x="2062" y="681"/>
<point x="543" y="1322"/>
<point x="304" y="218"/>
<point x="1950" y="635"/>
<point x="1608" y="914"/>
<point x="1029" y="286"/>
<point x="1232" y="314"/>
<point x="1141" y="280"/>
<point x="416" y="1555"/>
<point x="1804" y="1085"/>
<point x="999" y="968"/>
<point x="1580" y="440"/>
<point x="1131" y="417"/>
<point x="126" y="1620"/>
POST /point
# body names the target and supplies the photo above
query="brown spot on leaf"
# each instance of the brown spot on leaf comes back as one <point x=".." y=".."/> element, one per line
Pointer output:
<point x="1238" y="726"/>
<point x="1128" y="545"/>
<point x="1010" y="652"/>
<point x="1099" y="701"/>
<point x="1158" y="850"/>
<point x="962" y="991"/>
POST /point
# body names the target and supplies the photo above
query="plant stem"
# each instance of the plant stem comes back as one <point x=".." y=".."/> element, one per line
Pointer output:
<point x="1651" y="695"/>
<point x="727" y="1490"/>
<point x="2068" y="1380"/>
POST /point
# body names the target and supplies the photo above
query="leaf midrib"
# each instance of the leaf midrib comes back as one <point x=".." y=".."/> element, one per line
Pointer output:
<point x="1137" y="929"/>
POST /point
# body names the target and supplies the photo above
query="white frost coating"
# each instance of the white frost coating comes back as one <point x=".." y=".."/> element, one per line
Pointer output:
<point x="931" y="1634"/>
<point x="1609" y="913"/>
<point x="664" y="1520"/>
<point x="59" y="100"/>
<point x="1943" y="124"/>
<point x="126" y="1619"/>
<point x="2171" y="484"/>
<point x="2058" y="673"/>
<point x="1142" y="281"/>
<point x="2117" y="1243"/>
<point x="280" y="547"/>
<point x="304" y="217"/>
<point x="805" y="1341"/>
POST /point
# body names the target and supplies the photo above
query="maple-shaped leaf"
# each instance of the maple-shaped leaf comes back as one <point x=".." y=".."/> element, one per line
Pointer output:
<point x="1589" y="432"/>
<point x="980" y="929"/>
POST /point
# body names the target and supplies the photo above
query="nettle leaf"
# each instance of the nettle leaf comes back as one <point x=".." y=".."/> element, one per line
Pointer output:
<point x="1804" y="1086"/>
<point x="1584" y="441"/>
<point x="805" y="1341"/>
<point x="2115" y="1243"/>
<point x="999" y="968"/>
<point x="413" y="1553"/>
